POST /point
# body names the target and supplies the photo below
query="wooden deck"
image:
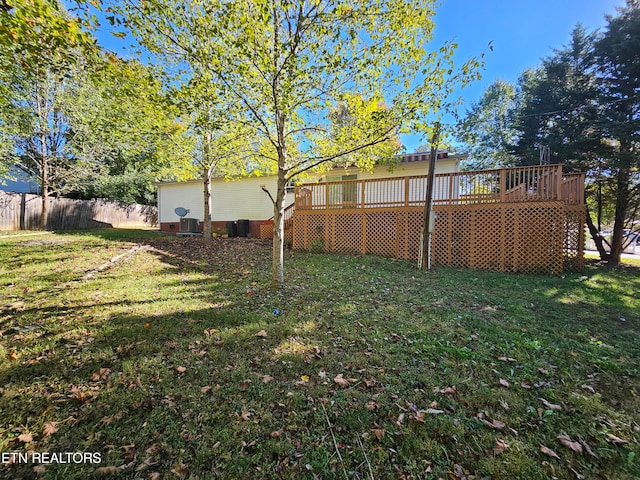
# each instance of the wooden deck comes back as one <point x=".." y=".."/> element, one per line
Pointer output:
<point x="543" y="183"/>
<point x="525" y="219"/>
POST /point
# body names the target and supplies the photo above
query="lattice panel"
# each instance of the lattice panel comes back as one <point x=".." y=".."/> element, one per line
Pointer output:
<point x="382" y="232"/>
<point x="539" y="238"/>
<point x="573" y="245"/>
<point x="535" y="237"/>
<point x="486" y="237"/>
<point x="346" y="234"/>
<point x="524" y="237"/>
<point x="309" y="232"/>
<point x="412" y="229"/>
<point x="266" y="230"/>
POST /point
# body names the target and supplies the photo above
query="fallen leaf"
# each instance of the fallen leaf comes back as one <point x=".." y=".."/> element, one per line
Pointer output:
<point x="446" y="391"/>
<point x="180" y="470"/>
<point x="525" y="385"/>
<point x="378" y="433"/>
<point x="206" y="389"/>
<point x="616" y="440"/>
<point x="418" y="416"/>
<point x="340" y="380"/>
<point x="262" y="334"/>
<point x="500" y="446"/>
<point x="433" y="411"/>
<point x="400" y="419"/>
<point x="39" y="469"/>
<point x="104" y="471"/>
<point x="244" y="415"/>
<point x="543" y="371"/>
<point x="578" y="475"/>
<point x="587" y="448"/>
<point x="588" y="388"/>
<point x="101" y="374"/>
<point x="25" y="438"/>
<point x="504" y="383"/>
<point x="372" y="405"/>
<point x="267" y="378"/>
<point x="154" y="476"/>
<point x="243" y="385"/>
<point x="495" y="424"/>
<point x="548" y="451"/>
<point x="49" y="428"/>
<point x="369" y="382"/>
<point x="181" y="369"/>
<point x="275" y="434"/>
<point x="304" y="378"/>
<point x="13" y="356"/>
<point x="550" y="406"/>
<point x="567" y="442"/>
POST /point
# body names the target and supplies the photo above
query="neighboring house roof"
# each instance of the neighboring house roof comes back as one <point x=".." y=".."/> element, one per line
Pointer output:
<point x="18" y="182"/>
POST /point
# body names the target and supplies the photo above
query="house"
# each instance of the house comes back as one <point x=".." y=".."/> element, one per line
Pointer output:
<point x="16" y="181"/>
<point x="245" y="199"/>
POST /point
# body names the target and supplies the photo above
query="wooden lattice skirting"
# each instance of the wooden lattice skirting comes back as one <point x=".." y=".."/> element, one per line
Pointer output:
<point x="535" y="237"/>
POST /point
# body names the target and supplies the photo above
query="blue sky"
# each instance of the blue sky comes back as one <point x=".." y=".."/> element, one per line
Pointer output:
<point x="521" y="31"/>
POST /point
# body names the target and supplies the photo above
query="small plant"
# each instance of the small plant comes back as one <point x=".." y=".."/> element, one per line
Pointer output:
<point x="317" y="246"/>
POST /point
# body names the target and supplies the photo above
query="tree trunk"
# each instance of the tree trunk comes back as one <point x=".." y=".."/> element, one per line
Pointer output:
<point x="44" y="185"/>
<point x="207" y="171"/>
<point x="206" y="227"/>
<point x="622" y="202"/>
<point x="597" y="239"/>
<point x="277" y="270"/>
<point x="428" y="200"/>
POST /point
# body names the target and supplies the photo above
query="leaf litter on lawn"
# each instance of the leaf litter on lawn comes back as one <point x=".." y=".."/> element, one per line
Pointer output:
<point x="374" y="345"/>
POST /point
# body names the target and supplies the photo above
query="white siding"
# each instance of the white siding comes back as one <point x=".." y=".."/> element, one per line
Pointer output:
<point x="244" y="199"/>
<point x="230" y="200"/>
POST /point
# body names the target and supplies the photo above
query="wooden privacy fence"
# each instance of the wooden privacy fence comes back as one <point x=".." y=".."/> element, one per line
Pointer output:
<point x="528" y="219"/>
<point x="21" y="211"/>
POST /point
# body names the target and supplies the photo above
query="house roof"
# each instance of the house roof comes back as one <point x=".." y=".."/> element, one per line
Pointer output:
<point x="407" y="158"/>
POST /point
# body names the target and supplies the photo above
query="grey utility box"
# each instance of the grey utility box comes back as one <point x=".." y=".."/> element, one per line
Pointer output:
<point x="188" y="225"/>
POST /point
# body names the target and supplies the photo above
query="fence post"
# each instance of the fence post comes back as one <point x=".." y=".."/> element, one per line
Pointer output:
<point x="503" y="185"/>
<point x="23" y="209"/>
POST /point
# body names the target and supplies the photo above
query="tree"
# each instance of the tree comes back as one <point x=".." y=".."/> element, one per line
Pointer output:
<point x="287" y="64"/>
<point x="488" y="128"/>
<point x="617" y="55"/>
<point x="582" y="105"/>
<point x="40" y="44"/>
<point x="125" y="132"/>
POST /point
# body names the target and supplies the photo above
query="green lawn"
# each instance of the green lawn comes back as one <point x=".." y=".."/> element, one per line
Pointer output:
<point x="179" y="361"/>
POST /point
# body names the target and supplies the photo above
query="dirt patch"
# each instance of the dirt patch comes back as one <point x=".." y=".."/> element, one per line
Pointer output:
<point x="36" y="243"/>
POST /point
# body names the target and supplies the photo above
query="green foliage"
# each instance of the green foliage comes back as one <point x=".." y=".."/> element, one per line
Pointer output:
<point x="488" y="130"/>
<point x="125" y="128"/>
<point x="37" y="35"/>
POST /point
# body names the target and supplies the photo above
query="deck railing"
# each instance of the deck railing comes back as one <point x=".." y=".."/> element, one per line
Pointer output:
<point x="518" y="184"/>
